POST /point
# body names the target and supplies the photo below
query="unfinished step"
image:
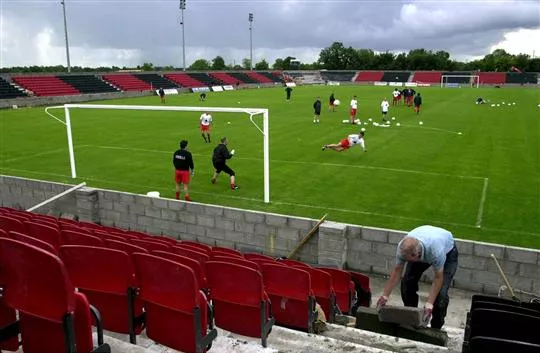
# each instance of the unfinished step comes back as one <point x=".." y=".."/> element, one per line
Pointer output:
<point x="368" y="319"/>
<point x="402" y="315"/>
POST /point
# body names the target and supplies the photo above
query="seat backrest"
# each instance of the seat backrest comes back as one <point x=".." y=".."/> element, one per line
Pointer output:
<point x="321" y="282"/>
<point x="33" y="241"/>
<point x="496" y="299"/>
<point x="192" y="247"/>
<point x="236" y="260"/>
<point x="234" y="283"/>
<point x="195" y="265"/>
<point x="124" y="246"/>
<point x="252" y="256"/>
<point x="498" y="345"/>
<point x="294" y="263"/>
<point x="207" y="249"/>
<point x="227" y="251"/>
<point x="192" y="254"/>
<point x="44" y="232"/>
<point x="151" y="245"/>
<point x="70" y="237"/>
<point x="285" y="281"/>
<point x="504" y="324"/>
<point x="36" y="281"/>
<point x="9" y="223"/>
<point x="504" y="307"/>
<point x="343" y="287"/>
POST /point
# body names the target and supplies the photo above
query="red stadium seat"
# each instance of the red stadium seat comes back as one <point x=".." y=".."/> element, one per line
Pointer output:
<point x="207" y="249"/>
<point x="33" y="241"/>
<point x="107" y="278"/>
<point x="44" y="232"/>
<point x="343" y="286"/>
<point x="176" y="310"/>
<point x="123" y="246"/>
<point x="70" y="237"/>
<point x="198" y="269"/>
<point x="53" y="317"/>
<point x="238" y="292"/>
<point x="151" y="245"/>
<point x="289" y="262"/>
<point x="227" y="251"/>
<point x="251" y="256"/>
<point x="9" y="223"/>
<point x="236" y="260"/>
<point x="191" y="253"/>
<point x="293" y="301"/>
<point x="363" y="290"/>
<point x="321" y="284"/>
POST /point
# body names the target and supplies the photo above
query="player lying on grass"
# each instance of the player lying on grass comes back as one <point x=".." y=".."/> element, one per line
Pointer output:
<point x="348" y="142"/>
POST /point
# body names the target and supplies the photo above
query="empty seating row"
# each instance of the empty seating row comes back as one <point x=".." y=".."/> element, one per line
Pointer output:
<point x="88" y="83"/>
<point x="205" y="78"/>
<point x="45" y="85"/>
<point x="156" y="81"/>
<point x="243" y="77"/>
<point x="427" y="77"/>
<point x="224" y="77"/>
<point x="501" y="325"/>
<point x="395" y="76"/>
<point x="260" y="77"/>
<point x="8" y="91"/>
<point x="184" y="80"/>
<point x="127" y="82"/>
<point x="369" y="76"/>
<point x="342" y="76"/>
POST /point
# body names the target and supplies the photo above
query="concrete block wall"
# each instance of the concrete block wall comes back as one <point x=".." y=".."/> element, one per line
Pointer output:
<point x="365" y="249"/>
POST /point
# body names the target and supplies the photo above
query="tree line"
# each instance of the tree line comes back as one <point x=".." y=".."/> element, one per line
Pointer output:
<point x="336" y="57"/>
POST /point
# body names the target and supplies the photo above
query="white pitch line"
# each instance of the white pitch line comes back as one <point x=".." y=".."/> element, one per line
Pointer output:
<point x="480" y="214"/>
<point x="33" y="155"/>
<point x="432" y="128"/>
<point x="308" y="163"/>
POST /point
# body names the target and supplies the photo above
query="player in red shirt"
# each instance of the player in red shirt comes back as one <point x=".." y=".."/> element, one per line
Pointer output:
<point x="348" y="142"/>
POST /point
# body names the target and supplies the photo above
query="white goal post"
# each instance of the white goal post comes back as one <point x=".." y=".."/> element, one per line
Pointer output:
<point x="250" y="111"/>
<point x="474" y="80"/>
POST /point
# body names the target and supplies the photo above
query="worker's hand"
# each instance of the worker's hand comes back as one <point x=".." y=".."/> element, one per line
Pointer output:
<point x="428" y="311"/>
<point x="383" y="299"/>
<point x="232" y="152"/>
<point x="193" y="172"/>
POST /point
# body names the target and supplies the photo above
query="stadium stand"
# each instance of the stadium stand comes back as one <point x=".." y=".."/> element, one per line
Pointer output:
<point x="492" y="78"/>
<point x="87" y="83"/>
<point x="127" y="82"/>
<point x="343" y="286"/>
<point x="8" y="91"/>
<point x="156" y="81"/>
<point x="369" y="76"/>
<point x="396" y="76"/>
<point x="341" y="76"/>
<point x="53" y="317"/>
<point x="205" y="78"/>
<point x="224" y="77"/>
<point x="322" y="287"/>
<point x="427" y="77"/>
<point x="243" y="77"/>
<point x="259" y="77"/>
<point x="184" y="80"/>
<point x="276" y="76"/>
<point x="45" y="85"/>
<point x="521" y="78"/>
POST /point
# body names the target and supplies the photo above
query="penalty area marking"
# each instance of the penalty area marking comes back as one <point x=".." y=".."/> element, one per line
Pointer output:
<point x="432" y="128"/>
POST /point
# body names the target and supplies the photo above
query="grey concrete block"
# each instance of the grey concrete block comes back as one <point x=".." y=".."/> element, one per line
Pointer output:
<point x="333" y="229"/>
<point x="205" y="221"/>
<point x="485" y="250"/>
<point x="159" y="202"/>
<point x="178" y="228"/>
<point x="509" y="268"/>
<point x="127" y="198"/>
<point x="255" y="240"/>
<point x="395" y="237"/>
<point x="264" y="229"/>
<point x="213" y="210"/>
<point x="120" y="206"/>
<point x="169" y="215"/>
<point x="223" y="223"/>
<point x="485" y="277"/>
<point x="388" y="250"/>
<point x="371" y="258"/>
<point x="473" y="262"/>
<point x="402" y="315"/>
<point x="529" y="270"/>
<point x="151" y="211"/>
<point x="522" y="255"/>
<point x="301" y="224"/>
<point x="215" y="233"/>
<point x="111" y="215"/>
<point x="188" y="218"/>
<point x="234" y="214"/>
<point x="360" y="245"/>
<point x="136" y="208"/>
<point x="225" y="244"/>
<point x="234" y="237"/>
<point x="354" y="232"/>
<point x="176" y="205"/>
<point x="254" y="217"/>
<point x="374" y="234"/>
<point x="277" y="221"/>
<point x="291" y="234"/>
<point x="196" y="230"/>
<point x="195" y="208"/>
<point x="244" y="227"/>
<point x="145" y="221"/>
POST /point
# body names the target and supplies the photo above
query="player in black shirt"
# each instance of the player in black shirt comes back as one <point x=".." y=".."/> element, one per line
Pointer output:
<point x="417" y="103"/>
<point x="161" y="94"/>
<point x="183" y="164"/>
<point x="288" y="91"/>
<point x="219" y="158"/>
<point x="317" y="110"/>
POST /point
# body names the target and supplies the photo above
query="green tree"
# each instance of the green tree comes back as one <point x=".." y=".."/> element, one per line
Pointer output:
<point x="278" y="64"/>
<point x="218" y="63"/>
<point x="262" y="65"/>
<point x="147" y="67"/>
<point x="337" y="57"/>
<point x="200" y="65"/>
<point x="246" y="63"/>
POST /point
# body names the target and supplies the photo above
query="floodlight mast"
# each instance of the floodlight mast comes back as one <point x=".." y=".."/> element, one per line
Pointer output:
<point x="250" y="19"/>
<point x="63" y="2"/>
<point x="182" y="8"/>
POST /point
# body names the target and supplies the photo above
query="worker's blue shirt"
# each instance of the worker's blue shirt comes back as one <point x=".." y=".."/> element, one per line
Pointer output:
<point x="435" y="242"/>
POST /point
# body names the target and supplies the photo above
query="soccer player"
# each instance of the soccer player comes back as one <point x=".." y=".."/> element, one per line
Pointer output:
<point x="206" y="121"/>
<point x="396" y="96"/>
<point x="384" y="109"/>
<point x="348" y="142"/>
<point x="219" y="158"/>
<point x="161" y="94"/>
<point x="417" y="103"/>
<point x="354" y="107"/>
<point x="202" y="97"/>
<point x="331" y="101"/>
<point x="183" y="164"/>
<point x="317" y="108"/>
<point x="288" y="91"/>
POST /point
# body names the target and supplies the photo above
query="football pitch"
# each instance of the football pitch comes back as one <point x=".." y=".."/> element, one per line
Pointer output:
<point x="473" y="169"/>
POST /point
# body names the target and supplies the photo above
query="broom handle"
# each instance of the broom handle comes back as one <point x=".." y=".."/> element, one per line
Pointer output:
<point x="306" y="238"/>
<point x="503" y="276"/>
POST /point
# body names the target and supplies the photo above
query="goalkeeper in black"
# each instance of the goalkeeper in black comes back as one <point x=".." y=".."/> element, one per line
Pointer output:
<point x="219" y="159"/>
<point x="183" y="165"/>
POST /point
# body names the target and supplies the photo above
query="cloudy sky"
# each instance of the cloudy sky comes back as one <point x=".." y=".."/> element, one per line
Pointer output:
<point x="129" y="33"/>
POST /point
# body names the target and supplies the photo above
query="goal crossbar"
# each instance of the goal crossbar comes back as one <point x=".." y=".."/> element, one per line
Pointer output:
<point x="250" y="111"/>
<point x="475" y="82"/>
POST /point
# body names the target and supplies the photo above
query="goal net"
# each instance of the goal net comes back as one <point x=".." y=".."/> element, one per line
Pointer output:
<point x="68" y="111"/>
<point x="460" y="81"/>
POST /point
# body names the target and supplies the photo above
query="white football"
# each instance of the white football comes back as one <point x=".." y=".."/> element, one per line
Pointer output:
<point x="363" y="129"/>
<point x="337" y="102"/>
<point x="398" y="124"/>
<point x="228" y="122"/>
<point x="421" y="123"/>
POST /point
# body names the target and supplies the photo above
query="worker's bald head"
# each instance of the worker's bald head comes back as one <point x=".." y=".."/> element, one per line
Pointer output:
<point x="410" y="248"/>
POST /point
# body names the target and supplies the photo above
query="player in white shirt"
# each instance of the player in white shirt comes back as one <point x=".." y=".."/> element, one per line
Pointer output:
<point x="354" y="107"/>
<point x="206" y="121"/>
<point x="384" y="108"/>
<point x="397" y="96"/>
<point x="348" y="142"/>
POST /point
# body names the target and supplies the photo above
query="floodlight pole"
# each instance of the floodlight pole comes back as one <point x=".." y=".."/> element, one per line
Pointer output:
<point x="250" y="19"/>
<point x="63" y="2"/>
<point x="182" y="8"/>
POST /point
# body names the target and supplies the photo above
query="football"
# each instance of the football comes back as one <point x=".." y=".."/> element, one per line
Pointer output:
<point x="337" y="102"/>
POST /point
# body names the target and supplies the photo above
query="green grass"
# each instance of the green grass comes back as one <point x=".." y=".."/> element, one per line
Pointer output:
<point x="483" y="184"/>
